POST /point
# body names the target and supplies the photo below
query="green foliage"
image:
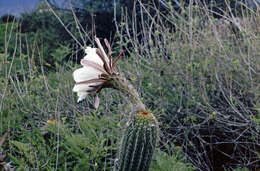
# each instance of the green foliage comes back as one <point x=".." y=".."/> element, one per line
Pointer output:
<point x="7" y="35"/>
<point x="59" y="54"/>
<point x="165" y="162"/>
<point x="45" y="31"/>
<point x="57" y="145"/>
<point x="241" y="169"/>
<point x="96" y="6"/>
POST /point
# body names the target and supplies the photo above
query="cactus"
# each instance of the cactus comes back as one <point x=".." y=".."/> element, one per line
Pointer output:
<point x="138" y="143"/>
<point x="139" y="139"/>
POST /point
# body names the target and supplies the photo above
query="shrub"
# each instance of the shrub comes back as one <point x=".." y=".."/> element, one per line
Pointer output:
<point x="203" y="80"/>
<point x="7" y="18"/>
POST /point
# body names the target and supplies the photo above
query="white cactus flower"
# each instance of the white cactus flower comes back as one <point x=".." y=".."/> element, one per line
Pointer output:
<point x="89" y="75"/>
<point x="95" y="73"/>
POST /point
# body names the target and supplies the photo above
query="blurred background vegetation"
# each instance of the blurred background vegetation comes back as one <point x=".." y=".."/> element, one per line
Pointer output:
<point x="196" y="65"/>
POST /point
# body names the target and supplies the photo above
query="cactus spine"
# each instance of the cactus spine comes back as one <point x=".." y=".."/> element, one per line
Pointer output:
<point x="138" y="143"/>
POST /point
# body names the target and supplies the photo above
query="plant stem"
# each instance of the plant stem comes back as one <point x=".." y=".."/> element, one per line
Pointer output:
<point x="122" y="84"/>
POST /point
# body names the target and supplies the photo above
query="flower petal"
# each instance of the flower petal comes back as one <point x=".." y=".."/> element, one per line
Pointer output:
<point x="82" y="95"/>
<point x="85" y="73"/>
<point x="96" y="101"/>
<point x="94" y="65"/>
<point x="90" y="50"/>
<point x="92" y="55"/>
<point x="81" y="87"/>
<point x="102" y="50"/>
<point x="85" y="87"/>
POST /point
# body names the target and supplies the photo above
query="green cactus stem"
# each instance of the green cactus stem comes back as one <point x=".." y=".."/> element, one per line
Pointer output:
<point x="138" y="143"/>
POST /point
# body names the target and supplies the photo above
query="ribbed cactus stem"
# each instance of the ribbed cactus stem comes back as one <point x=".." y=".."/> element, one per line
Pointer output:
<point x="122" y="84"/>
<point x="139" y="139"/>
<point x="138" y="143"/>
